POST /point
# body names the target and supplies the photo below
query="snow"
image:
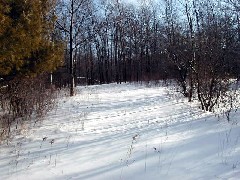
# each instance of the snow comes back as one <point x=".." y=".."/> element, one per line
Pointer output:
<point x="125" y="132"/>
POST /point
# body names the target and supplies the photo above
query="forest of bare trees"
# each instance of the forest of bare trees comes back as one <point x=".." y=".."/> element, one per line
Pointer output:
<point x="118" y="42"/>
<point x="196" y="43"/>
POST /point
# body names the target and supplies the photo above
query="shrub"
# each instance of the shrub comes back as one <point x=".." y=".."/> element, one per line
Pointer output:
<point x="23" y="100"/>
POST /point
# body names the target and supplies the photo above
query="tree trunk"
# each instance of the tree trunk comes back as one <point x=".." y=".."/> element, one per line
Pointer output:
<point x="72" y="81"/>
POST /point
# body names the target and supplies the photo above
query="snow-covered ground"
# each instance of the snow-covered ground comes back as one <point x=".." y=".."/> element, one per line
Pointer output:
<point x="125" y="132"/>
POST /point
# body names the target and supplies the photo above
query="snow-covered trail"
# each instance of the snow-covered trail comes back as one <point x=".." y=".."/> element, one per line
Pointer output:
<point x="125" y="132"/>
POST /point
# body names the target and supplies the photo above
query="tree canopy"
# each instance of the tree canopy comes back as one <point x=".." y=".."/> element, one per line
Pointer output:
<point x="27" y="46"/>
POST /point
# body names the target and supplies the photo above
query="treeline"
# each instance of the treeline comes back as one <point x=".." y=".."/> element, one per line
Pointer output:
<point x="195" y="42"/>
<point x="113" y="41"/>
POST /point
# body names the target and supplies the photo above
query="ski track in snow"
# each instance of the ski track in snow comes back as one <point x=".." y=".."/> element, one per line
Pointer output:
<point x="125" y="132"/>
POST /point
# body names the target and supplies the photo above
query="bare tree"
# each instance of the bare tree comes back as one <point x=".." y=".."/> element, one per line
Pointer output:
<point x="72" y="15"/>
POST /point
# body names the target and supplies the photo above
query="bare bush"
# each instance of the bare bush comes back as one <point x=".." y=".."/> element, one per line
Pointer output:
<point x="210" y="91"/>
<point x="22" y="100"/>
<point x="229" y="103"/>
